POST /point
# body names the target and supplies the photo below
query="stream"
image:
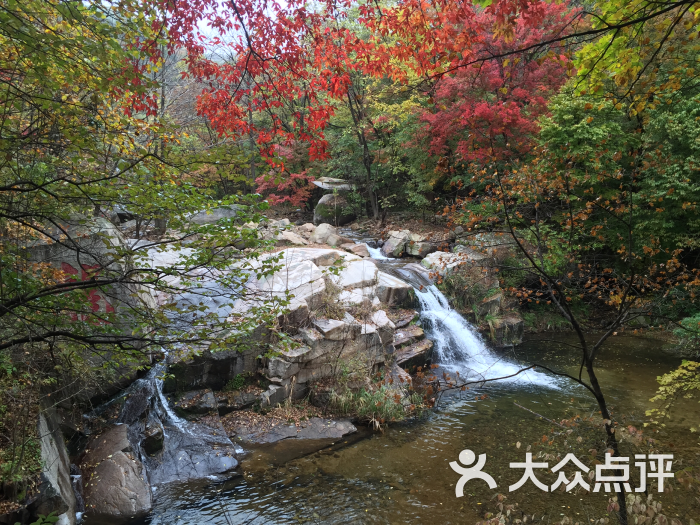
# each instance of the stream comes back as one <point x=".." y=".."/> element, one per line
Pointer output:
<point x="402" y="475"/>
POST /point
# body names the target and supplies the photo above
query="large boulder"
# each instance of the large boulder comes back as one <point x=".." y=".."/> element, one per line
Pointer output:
<point x="419" y="248"/>
<point x="444" y="263"/>
<point x="358" y="274"/>
<point x="322" y="232"/>
<point x="391" y="290"/>
<point x="395" y="245"/>
<point x="115" y="480"/>
<point x="334" y="209"/>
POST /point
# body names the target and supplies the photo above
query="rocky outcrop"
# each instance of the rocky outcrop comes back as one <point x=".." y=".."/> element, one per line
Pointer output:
<point x="272" y="431"/>
<point x="392" y="290"/>
<point x="333" y="209"/>
<point x="115" y="484"/>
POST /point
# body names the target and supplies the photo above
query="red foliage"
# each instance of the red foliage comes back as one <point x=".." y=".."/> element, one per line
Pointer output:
<point x="488" y="112"/>
<point x="294" y="188"/>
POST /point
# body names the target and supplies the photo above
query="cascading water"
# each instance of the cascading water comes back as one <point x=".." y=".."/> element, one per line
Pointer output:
<point x="458" y="347"/>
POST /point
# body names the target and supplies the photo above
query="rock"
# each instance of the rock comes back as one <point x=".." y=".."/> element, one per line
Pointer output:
<point x="152" y="441"/>
<point x="499" y="246"/>
<point x="469" y="253"/>
<point x="270" y="431"/>
<point x="283" y="223"/>
<point x="507" y="330"/>
<point x="216" y="214"/>
<point x="358" y="274"/>
<point x="334" y="330"/>
<point x="230" y="401"/>
<point x="55" y="491"/>
<point x="459" y="230"/>
<point x="491" y="304"/>
<point x="416" y="274"/>
<point x="358" y="296"/>
<point x="114" y="485"/>
<point x="273" y="396"/>
<point x="407" y="336"/>
<point x="209" y="369"/>
<point x="303" y="279"/>
<point x="328" y="183"/>
<point x="277" y="367"/>
<point x="404" y="318"/>
<point x="384" y="326"/>
<point x="194" y="403"/>
<point x="308" y="227"/>
<point x="291" y="237"/>
<point x="419" y="249"/>
<point x="333" y="209"/>
<point x="395" y="245"/>
<point x="392" y="290"/>
<point x="322" y="232"/>
<point x="444" y="263"/>
<point x="358" y="249"/>
<point x="136" y="404"/>
<point x="415" y="355"/>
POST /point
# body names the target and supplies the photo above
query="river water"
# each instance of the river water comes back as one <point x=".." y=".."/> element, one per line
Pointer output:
<point x="403" y="474"/>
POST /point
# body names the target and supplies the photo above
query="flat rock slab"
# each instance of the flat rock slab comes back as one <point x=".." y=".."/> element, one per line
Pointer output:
<point x="417" y="354"/>
<point x="358" y="274"/>
<point x="408" y="335"/>
<point x="274" y="430"/>
<point x="195" y="402"/>
<point x="391" y="290"/>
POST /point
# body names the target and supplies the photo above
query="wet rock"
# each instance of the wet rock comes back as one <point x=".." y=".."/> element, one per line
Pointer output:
<point x="152" y="441"/>
<point x="507" y="330"/>
<point x="334" y="209"/>
<point x="392" y="290"/>
<point x="395" y="245"/>
<point x="115" y="483"/>
<point x="415" y="355"/>
<point x="196" y="402"/>
<point x="272" y="431"/>
<point x="322" y="232"/>
<point x="136" y="404"/>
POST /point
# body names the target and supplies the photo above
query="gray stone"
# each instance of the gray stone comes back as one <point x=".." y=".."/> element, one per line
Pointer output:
<point x="230" y="401"/>
<point x="395" y="245"/>
<point x="277" y="367"/>
<point x="334" y="330"/>
<point x="115" y="481"/>
<point x="490" y="305"/>
<point x="415" y="355"/>
<point x="216" y="214"/>
<point x="444" y="263"/>
<point x="407" y="336"/>
<point x="194" y="403"/>
<point x="307" y="227"/>
<point x="392" y="290"/>
<point x="507" y="330"/>
<point x="273" y="396"/>
<point x="357" y="249"/>
<point x="152" y="441"/>
<point x="272" y="432"/>
<point x="322" y="232"/>
<point x="419" y="249"/>
<point x="334" y="209"/>
<point x="55" y="491"/>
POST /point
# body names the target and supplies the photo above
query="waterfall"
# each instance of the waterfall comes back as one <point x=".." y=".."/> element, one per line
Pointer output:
<point x="459" y="348"/>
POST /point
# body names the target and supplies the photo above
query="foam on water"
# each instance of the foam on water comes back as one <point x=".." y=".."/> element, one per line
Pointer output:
<point x="376" y="253"/>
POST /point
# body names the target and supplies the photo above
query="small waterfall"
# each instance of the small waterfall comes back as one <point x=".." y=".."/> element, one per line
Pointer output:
<point x="376" y="253"/>
<point x="459" y="348"/>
